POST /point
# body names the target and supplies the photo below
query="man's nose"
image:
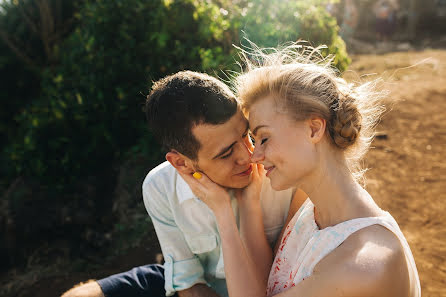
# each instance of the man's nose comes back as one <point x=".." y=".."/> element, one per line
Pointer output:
<point x="245" y="154"/>
<point x="257" y="155"/>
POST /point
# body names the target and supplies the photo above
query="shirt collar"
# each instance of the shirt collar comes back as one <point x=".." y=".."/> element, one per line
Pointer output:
<point x="184" y="192"/>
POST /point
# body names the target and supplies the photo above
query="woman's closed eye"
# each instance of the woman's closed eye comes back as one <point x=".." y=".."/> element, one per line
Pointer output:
<point x="263" y="140"/>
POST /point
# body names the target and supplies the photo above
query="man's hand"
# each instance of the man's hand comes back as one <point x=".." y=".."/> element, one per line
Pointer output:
<point x="215" y="196"/>
<point x="198" y="290"/>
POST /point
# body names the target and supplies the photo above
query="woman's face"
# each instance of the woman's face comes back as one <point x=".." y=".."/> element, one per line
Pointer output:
<point x="283" y="145"/>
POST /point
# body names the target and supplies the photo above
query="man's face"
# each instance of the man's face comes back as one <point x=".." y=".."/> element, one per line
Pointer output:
<point x="225" y="152"/>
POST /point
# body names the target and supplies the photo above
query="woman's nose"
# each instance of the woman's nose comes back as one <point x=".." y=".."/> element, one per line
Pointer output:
<point x="257" y="155"/>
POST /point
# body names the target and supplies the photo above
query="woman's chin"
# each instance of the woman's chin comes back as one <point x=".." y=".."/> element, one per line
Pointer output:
<point x="276" y="185"/>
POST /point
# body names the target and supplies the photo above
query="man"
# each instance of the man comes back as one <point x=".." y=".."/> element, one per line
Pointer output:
<point x="198" y="121"/>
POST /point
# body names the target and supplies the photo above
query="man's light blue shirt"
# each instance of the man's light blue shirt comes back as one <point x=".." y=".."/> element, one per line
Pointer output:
<point x="187" y="229"/>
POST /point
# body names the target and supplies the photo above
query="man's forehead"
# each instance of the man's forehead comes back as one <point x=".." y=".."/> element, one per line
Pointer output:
<point x="213" y="138"/>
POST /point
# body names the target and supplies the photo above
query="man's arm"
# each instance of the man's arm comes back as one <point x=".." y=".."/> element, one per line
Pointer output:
<point x="198" y="290"/>
<point x="182" y="269"/>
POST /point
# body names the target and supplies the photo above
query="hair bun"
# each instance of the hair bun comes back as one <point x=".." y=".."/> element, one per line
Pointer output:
<point x="346" y="122"/>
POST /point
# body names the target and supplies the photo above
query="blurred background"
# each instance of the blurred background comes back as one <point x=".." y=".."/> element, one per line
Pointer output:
<point x="74" y="146"/>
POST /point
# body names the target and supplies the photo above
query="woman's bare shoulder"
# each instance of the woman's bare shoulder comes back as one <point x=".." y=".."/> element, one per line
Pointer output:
<point x="371" y="262"/>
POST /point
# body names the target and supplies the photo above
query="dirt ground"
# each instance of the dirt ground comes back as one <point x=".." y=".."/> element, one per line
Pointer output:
<point x="407" y="173"/>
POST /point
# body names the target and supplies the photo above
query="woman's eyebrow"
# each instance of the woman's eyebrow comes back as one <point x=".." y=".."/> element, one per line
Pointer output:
<point x="254" y="132"/>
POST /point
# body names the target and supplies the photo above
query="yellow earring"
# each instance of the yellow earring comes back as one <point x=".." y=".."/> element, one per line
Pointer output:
<point x="196" y="175"/>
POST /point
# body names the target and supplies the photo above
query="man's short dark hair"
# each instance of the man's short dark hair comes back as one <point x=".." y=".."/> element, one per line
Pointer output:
<point x="183" y="100"/>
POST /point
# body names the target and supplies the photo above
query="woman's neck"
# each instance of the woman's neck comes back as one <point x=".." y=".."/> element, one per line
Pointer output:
<point x="337" y="197"/>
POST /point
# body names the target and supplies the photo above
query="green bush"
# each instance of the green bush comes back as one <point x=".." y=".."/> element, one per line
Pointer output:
<point x="30" y="33"/>
<point x="90" y="110"/>
<point x="72" y="112"/>
<point x="275" y="22"/>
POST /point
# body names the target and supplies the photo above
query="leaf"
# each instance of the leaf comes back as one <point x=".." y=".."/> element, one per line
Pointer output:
<point x="58" y="79"/>
<point x="79" y="98"/>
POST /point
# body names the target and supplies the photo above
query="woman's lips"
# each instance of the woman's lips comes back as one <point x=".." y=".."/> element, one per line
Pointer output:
<point x="269" y="169"/>
<point x="246" y="172"/>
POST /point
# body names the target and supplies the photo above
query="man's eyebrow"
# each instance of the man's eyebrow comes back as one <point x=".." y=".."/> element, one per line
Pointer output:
<point x="224" y="150"/>
<point x="254" y="132"/>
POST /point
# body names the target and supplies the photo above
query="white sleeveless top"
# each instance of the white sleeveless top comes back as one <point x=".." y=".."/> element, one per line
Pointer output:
<point x="303" y="245"/>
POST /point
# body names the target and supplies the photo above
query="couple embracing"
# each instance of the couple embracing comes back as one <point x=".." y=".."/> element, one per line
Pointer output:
<point x="284" y="216"/>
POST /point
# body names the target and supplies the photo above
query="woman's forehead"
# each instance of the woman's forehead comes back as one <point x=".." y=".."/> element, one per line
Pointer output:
<point x="261" y="112"/>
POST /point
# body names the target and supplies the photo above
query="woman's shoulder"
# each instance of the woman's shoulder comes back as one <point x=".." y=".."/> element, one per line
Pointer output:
<point x="372" y="262"/>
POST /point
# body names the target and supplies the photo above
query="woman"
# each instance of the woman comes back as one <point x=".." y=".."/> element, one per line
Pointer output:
<point x="310" y="130"/>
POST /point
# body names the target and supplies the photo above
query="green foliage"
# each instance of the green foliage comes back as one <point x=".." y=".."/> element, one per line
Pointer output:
<point x="72" y="91"/>
<point x="27" y="48"/>
<point x="90" y="110"/>
<point x="272" y="23"/>
<point x="18" y="83"/>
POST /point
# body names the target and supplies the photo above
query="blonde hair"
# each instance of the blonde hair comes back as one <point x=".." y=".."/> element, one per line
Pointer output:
<point x="306" y="84"/>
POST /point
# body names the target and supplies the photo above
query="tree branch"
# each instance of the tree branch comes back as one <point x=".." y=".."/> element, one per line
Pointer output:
<point x="47" y="26"/>
<point x="32" y="25"/>
<point x="64" y="28"/>
<point x="16" y="50"/>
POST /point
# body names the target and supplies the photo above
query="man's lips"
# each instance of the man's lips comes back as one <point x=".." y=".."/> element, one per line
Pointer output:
<point x="246" y="172"/>
<point x="269" y="169"/>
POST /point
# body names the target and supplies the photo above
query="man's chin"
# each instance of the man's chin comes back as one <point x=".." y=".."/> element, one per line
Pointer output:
<point x="241" y="182"/>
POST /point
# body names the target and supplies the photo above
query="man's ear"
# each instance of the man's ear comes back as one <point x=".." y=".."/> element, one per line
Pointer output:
<point x="180" y="162"/>
<point x="317" y="129"/>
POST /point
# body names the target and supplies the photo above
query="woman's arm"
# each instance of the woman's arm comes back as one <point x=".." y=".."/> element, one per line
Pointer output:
<point x="253" y="238"/>
<point x="252" y="231"/>
<point x="252" y="234"/>
<point x="243" y="277"/>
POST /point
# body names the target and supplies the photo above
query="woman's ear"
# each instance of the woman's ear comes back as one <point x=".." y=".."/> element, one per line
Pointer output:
<point x="180" y="162"/>
<point x="317" y="129"/>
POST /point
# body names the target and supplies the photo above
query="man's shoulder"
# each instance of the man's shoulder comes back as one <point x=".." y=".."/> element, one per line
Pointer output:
<point x="160" y="182"/>
<point x="162" y="173"/>
<point x="159" y="185"/>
